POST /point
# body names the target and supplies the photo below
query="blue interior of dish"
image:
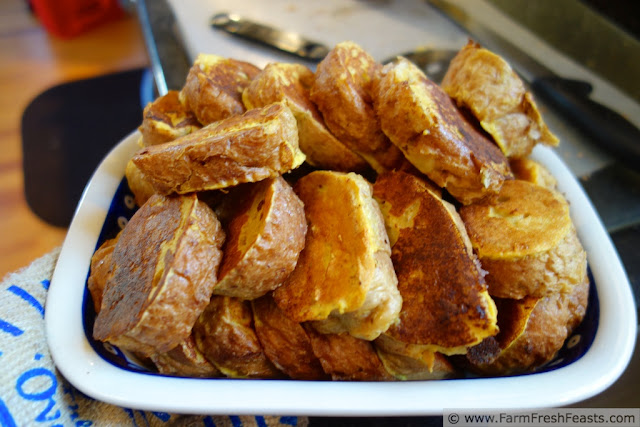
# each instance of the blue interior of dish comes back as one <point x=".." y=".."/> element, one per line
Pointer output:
<point x="122" y="209"/>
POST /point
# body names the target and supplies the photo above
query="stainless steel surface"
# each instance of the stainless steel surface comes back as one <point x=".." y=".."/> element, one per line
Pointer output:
<point x="286" y="41"/>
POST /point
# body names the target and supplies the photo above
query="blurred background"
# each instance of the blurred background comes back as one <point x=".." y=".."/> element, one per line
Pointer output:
<point x="75" y="75"/>
<point x="33" y="61"/>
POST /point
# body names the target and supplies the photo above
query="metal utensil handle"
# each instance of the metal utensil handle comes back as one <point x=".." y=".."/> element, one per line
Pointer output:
<point x="285" y="41"/>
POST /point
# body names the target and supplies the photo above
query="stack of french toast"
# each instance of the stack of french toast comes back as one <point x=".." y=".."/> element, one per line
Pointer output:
<point x="359" y="222"/>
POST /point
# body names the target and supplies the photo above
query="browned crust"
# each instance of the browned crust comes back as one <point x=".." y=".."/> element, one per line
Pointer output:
<point x="556" y="270"/>
<point x="101" y="271"/>
<point x="214" y="85"/>
<point x="343" y="259"/>
<point x="166" y="261"/>
<point x="224" y="333"/>
<point x="285" y="342"/>
<point x="532" y="171"/>
<point x="380" y="309"/>
<point x="347" y="358"/>
<point x="435" y="136"/>
<point x="185" y="360"/>
<point x="445" y="300"/>
<point x="534" y="330"/>
<point x="484" y="83"/>
<point x="138" y="183"/>
<point x="259" y="144"/>
<point x="291" y="83"/>
<point x="264" y="239"/>
<point x="526" y="241"/>
<point x="166" y="119"/>
<point x="341" y="91"/>
<point x="428" y="366"/>
<point x="522" y="219"/>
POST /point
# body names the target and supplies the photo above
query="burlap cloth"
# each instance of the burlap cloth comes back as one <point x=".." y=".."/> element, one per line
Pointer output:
<point x="32" y="391"/>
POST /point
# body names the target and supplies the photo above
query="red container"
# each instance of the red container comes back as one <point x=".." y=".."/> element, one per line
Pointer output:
<point x="68" y="18"/>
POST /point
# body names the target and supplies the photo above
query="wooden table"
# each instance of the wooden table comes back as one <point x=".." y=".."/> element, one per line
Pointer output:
<point x="31" y="62"/>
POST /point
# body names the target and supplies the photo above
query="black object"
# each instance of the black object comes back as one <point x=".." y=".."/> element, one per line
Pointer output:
<point x="68" y="129"/>
<point x="625" y="13"/>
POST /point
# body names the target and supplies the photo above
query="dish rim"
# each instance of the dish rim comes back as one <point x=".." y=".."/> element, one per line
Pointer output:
<point x="91" y="374"/>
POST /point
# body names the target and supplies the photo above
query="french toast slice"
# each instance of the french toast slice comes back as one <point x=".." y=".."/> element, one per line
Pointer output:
<point x="214" y="85"/>
<point x="166" y="119"/>
<point x="285" y="342"/>
<point x="258" y="144"/>
<point x="446" y="305"/>
<point x="290" y="84"/>
<point x="344" y="280"/>
<point x="532" y="330"/>
<point x="435" y="136"/>
<point x="224" y="333"/>
<point x="185" y="360"/>
<point x="264" y="239"/>
<point x="347" y="358"/>
<point x="527" y="169"/>
<point x="485" y="83"/>
<point x="164" y="267"/>
<point x="428" y="365"/>
<point x="138" y="183"/>
<point x="341" y="91"/>
<point x="101" y="270"/>
<point x="526" y="241"/>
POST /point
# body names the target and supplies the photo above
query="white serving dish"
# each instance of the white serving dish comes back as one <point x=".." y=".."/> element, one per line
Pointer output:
<point x="610" y="324"/>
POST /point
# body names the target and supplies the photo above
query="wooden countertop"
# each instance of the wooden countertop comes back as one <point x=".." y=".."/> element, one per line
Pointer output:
<point x="33" y="61"/>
